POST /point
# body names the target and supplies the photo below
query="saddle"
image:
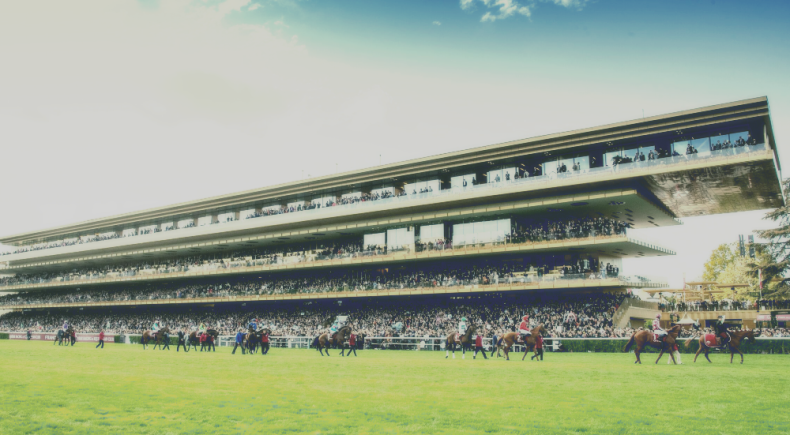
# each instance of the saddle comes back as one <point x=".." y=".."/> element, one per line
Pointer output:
<point x="712" y="340"/>
<point x="659" y="338"/>
<point x="458" y="337"/>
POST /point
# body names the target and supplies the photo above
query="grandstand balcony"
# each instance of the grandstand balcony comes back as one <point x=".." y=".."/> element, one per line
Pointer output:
<point x="712" y="160"/>
<point x="520" y="283"/>
<point x="610" y="246"/>
<point x="628" y="205"/>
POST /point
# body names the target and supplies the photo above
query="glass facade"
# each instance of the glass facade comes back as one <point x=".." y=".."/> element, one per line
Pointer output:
<point x="461" y="182"/>
<point x="431" y="233"/>
<point x="375" y="240"/>
<point x="400" y="239"/>
<point x="481" y="232"/>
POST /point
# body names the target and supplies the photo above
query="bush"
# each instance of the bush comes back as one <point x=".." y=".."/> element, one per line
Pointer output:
<point x="3" y="336"/>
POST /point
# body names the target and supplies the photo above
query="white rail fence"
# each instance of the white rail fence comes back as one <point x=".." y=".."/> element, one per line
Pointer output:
<point x="410" y="343"/>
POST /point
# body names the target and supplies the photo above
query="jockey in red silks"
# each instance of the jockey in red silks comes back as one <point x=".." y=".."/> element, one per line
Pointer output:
<point x="523" y="328"/>
<point x="660" y="333"/>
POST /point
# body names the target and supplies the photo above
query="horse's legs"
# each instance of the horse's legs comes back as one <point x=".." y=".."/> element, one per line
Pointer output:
<point x="660" y="355"/>
<point x="732" y="353"/>
<point x="707" y="349"/>
<point x="697" y="354"/>
<point x="739" y="352"/>
<point x="637" y="350"/>
<point x="672" y="356"/>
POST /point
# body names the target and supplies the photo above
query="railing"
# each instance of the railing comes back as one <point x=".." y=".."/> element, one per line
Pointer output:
<point x="620" y="169"/>
<point x="414" y="343"/>
<point x="238" y="266"/>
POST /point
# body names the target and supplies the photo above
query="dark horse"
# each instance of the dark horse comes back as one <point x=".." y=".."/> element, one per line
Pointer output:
<point x="63" y="335"/>
<point x="160" y="335"/>
<point x="646" y="338"/>
<point x="194" y="339"/>
<point x="251" y="340"/>
<point x="324" y="341"/>
<point x="506" y="341"/>
<point x="465" y="342"/>
<point x="733" y="345"/>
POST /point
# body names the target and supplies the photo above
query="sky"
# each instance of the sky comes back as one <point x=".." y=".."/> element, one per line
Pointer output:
<point x="111" y="107"/>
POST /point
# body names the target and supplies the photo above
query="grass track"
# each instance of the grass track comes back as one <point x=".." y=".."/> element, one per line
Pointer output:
<point x="123" y="389"/>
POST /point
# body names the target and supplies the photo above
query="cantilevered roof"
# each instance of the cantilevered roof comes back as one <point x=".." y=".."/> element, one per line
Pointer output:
<point x="739" y="110"/>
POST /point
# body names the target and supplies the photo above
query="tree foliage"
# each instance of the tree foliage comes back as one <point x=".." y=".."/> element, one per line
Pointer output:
<point x="776" y="261"/>
<point x="726" y="266"/>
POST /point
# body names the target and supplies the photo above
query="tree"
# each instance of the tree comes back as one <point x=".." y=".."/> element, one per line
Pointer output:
<point x="721" y="257"/>
<point x="726" y="266"/>
<point x="777" y="249"/>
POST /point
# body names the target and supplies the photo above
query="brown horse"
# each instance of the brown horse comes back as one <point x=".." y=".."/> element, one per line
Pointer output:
<point x="194" y="338"/>
<point x="506" y="341"/>
<point x="324" y="341"/>
<point x="157" y="338"/>
<point x="733" y="345"/>
<point x="465" y="342"/>
<point x="646" y="338"/>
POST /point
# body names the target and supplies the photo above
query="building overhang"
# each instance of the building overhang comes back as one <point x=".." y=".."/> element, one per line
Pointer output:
<point x="740" y="110"/>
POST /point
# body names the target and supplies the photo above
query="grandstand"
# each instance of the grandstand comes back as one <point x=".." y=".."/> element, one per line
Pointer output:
<point x="537" y="221"/>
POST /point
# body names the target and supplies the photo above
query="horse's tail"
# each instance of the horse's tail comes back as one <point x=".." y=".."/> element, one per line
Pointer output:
<point x="630" y="343"/>
<point x="315" y="341"/>
<point x="688" y="342"/>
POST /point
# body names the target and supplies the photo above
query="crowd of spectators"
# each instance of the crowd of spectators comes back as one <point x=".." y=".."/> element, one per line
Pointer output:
<point x="571" y="229"/>
<point x="374" y="279"/>
<point x="569" y="315"/>
<point x="724" y="305"/>
<point x="520" y="233"/>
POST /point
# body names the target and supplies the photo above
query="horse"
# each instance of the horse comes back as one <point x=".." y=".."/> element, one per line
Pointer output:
<point x="158" y="337"/>
<point x="506" y="341"/>
<point x="733" y="345"/>
<point x="63" y="335"/>
<point x="252" y="338"/>
<point x="647" y="338"/>
<point x="324" y="341"/>
<point x="465" y="342"/>
<point x="194" y="339"/>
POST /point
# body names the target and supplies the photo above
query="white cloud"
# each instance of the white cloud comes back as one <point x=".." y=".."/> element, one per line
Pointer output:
<point x="507" y="8"/>
<point x="254" y="6"/>
<point x="504" y="9"/>
<point x="437" y="23"/>
<point x="578" y="4"/>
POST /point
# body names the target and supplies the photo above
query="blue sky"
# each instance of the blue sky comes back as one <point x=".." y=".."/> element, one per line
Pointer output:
<point x="111" y="107"/>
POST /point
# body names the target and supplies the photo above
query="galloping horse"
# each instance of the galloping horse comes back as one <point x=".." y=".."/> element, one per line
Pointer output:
<point x="506" y="341"/>
<point x="646" y="338"/>
<point x="733" y="345"/>
<point x="465" y="342"/>
<point x="324" y="341"/>
<point x="158" y="337"/>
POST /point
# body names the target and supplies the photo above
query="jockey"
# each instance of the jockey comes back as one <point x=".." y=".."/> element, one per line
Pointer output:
<point x="65" y="325"/>
<point x="333" y="329"/>
<point x="202" y="328"/>
<point x="660" y="333"/>
<point x="523" y="328"/>
<point x="155" y="327"/>
<point x="721" y="330"/>
<point x="253" y="324"/>
<point x="462" y="326"/>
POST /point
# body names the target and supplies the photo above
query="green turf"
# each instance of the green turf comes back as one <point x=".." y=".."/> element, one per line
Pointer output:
<point x="123" y="389"/>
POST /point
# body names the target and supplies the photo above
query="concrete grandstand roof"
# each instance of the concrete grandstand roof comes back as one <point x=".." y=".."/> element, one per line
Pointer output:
<point x="739" y="110"/>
